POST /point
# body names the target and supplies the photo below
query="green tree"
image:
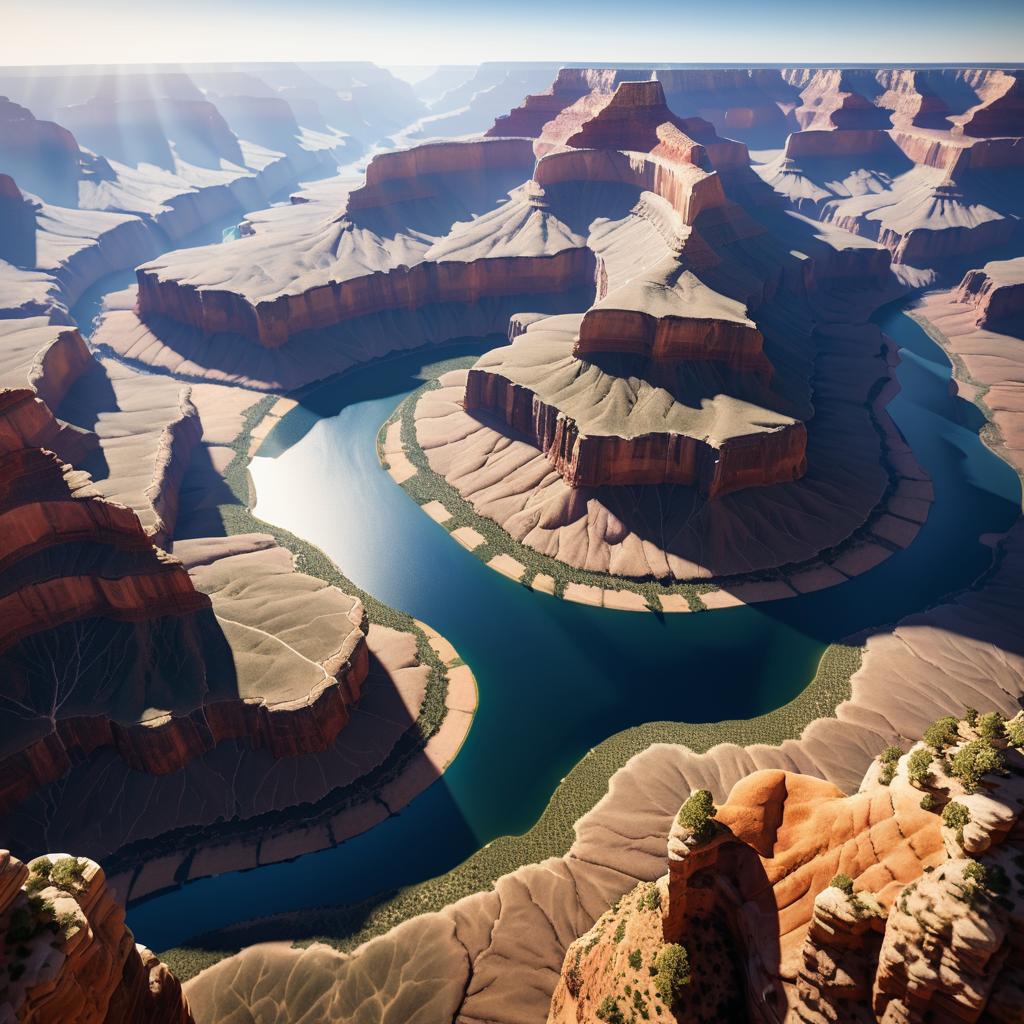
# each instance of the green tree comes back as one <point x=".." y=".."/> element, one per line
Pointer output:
<point x="974" y="760"/>
<point x="941" y="733"/>
<point x="697" y="814"/>
<point x="919" y="766"/>
<point x="672" y="972"/>
<point x="956" y="816"/>
<point x="844" y="882"/>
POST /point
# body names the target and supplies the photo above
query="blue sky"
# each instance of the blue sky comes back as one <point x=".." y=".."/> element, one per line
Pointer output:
<point x="470" y="31"/>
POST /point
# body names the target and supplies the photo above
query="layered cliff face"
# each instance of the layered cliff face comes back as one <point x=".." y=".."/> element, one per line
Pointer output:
<point x="996" y="291"/>
<point x="400" y="245"/>
<point x="67" y="954"/>
<point x="896" y="903"/>
<point x="41" y="155"/>
<point x="144" y="665"/>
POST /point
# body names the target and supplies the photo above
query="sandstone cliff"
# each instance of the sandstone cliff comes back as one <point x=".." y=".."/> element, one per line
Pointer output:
<point x="996" y="291"/>
<point x="67" y="955"/>
<point x="896" y="903"/>
<point x="18" y="220"/>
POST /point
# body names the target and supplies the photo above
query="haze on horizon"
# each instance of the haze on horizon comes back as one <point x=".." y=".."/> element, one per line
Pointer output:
<point x="408" y="33"/>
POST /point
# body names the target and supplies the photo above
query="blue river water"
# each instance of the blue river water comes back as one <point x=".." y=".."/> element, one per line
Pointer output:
<point x="556" y="678"/>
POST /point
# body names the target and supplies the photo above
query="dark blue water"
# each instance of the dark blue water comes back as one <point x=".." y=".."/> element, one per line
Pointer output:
<point x="557" y="678"/>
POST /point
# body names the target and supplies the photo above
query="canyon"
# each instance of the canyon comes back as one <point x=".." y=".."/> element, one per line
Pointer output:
<point x="683" y="396"/>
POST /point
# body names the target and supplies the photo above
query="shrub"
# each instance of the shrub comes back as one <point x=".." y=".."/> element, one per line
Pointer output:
<point x="651" y="899"/>
<point x="919" y="766"/>
<point x="672" y="966"/>
<point x="972" y="761"/>
<point x="990" y="727"/>
<point x="41" y="866"/>
<point x="956" y="816"/>
<point x="941" y="733"/>
<point x="636" y="959"/>
<point x="975" y="872"/>
<point x="609" y="1011"/>
<point x="928" y="802"/>
<point x="620" y="931"/>
<point x="68" y="924"/>
<point x="889" y="758"/>
<point x="697" y="813"/>
<point x="844" y="882"/>
<point x="68" y="873"/>
<point x="971" y="717"/>
<point x="1014" y="729"/>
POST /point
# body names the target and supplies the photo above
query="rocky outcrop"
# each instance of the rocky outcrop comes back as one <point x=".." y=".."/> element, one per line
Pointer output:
<point x="862" y="908"/>
<point x="536" y="393"/>
<point x="42" y="156"/>
<point x="144" y="666"/>
<point x="274" y="322"/>
<point x="69" y="955"/>
<point x="18" y="220"/>
<point x="411" y="174"/>
<point x="996" y="291"/>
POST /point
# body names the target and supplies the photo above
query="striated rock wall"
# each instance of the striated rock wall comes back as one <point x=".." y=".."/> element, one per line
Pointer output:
<point x="688" y="189"/>
<point x="409" y="174"/>
<point x="68" y="955"/>
<point x="673" y="338"/>
<point x="996" y="291"/>
<point x="864" y="908"/>
<point x="105" y="641"/>
<point x="594" y="461"/>
<point x="273" y="322"/>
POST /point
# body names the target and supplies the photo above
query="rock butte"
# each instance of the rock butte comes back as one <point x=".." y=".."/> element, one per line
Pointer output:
<point x="75" y="960"/>
<point x="913" y="937"/>
<point x="648" y="256"/>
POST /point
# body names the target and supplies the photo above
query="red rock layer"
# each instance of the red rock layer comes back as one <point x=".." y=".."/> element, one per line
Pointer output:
<point x="86" y="969"/>
<point x="910" y="935"/>
<point x="673" y="338"/>
<point x="688" y="189"/>
<point x="409" y="174"/>
<point x="999" y="302"/>
<point x="135" y="634"/>
<point x="273" y="322"/>
<point x="585" y="461"/>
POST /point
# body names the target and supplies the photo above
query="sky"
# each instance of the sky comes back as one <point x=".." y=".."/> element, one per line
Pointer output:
<point x="431" y="32"/>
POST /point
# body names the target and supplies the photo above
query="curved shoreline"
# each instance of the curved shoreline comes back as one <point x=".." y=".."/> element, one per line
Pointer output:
<point x="806" y="727"/>
<point x="401" y="454"/>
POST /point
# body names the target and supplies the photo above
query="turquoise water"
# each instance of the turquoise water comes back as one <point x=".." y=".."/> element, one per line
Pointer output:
<point x="557" y="678"/>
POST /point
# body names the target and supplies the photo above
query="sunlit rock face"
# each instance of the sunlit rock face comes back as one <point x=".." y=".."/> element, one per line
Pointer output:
<point x="73" y="957"/>
<point x="801" y="903"/>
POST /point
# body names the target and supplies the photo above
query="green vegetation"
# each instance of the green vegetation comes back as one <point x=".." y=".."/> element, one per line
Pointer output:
<point x="610" y="1012"/>
<point x="651" y="899"/>
<point x="843" y="882"/>
<point x="68" y="873"/>
<point x="971" y="717"/>
<point x="636" y="959"/>
<point x="942" y="733"/>
<point x="1014" y="729"/>
<point x="919" y="766"/>
<point x="620" y="931"/>
<point x="991" y="728"/>
<point x="672" y="967"/>
<point x="956" y="816"/>
<point x="928" y="802"/>
<point x="697" y="815"/>
<point x="890" y="759"/>
<point x="345" y="927"/>
<point x="972" y="761"/>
